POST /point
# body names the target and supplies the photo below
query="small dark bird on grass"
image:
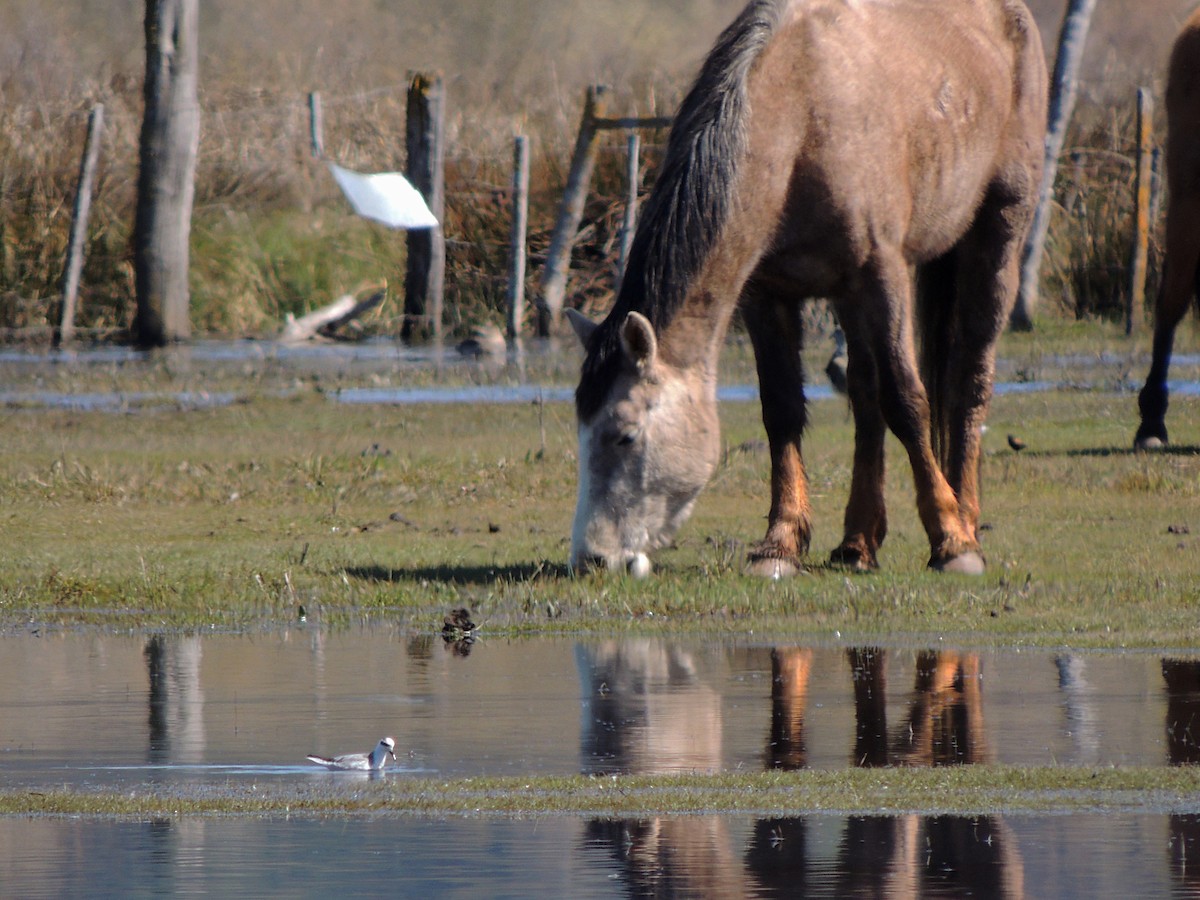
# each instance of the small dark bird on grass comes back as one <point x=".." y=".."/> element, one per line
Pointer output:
<point x="1016" y="443"/>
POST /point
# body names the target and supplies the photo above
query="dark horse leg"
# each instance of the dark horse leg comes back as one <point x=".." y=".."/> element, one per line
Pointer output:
<point x="1180" y="280"/>
<point x="1180" y="275"/>
<point x="878" y="319"/>
<point x="865" y="520"/>
<point x="777" y="335"/>
<point x="966" y="299"/>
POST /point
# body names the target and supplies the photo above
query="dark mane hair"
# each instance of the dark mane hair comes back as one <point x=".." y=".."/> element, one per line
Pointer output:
<point x="688" y="205"/>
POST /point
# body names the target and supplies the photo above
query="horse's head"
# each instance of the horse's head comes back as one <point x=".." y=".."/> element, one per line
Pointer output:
<point x="644" y="454"/>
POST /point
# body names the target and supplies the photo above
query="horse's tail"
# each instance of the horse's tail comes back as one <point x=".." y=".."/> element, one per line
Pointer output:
<point x="937" y="325"/>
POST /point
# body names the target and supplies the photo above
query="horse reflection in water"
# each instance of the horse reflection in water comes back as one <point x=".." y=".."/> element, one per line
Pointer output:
<point x="944" y="725"/>
<point x="648" y="710"/>
<point x="894" y="856"/>
<point x="1182" y="677"/>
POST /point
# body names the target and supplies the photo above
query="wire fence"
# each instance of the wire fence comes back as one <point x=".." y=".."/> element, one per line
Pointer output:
<point x="256" y="156"/>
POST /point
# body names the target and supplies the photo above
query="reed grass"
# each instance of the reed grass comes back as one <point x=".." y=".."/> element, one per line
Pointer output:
<point x="272" y="235"/>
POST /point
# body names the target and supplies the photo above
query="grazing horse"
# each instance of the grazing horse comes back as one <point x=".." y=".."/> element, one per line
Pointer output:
<point x="885" y="155"/>
<point x="1181" y="273"/>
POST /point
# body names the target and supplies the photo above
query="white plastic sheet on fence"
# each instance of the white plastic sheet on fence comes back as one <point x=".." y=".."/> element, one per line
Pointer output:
<point x="385" y="197"/>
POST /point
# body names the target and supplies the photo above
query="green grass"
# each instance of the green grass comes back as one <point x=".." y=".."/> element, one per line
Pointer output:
<point x="234" y="517"/>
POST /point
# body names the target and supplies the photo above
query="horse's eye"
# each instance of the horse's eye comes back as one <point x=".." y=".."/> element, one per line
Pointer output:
<point x="625" y="438"/>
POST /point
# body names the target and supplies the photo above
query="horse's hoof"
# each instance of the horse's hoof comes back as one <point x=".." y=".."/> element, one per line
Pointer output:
<point x="1149" y="442"/>
<point x="969" y="563"/>
<point x="772" y="568"/>
<point x="852" y="559"/>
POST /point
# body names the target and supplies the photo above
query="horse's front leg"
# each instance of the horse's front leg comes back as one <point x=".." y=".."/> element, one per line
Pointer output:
<point x="776" y="333"/>
<point x="865" y="522"/>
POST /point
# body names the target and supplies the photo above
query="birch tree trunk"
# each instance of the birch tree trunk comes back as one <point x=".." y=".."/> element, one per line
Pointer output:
<point x="1071" y="40"/>
<point x="166" y="180"/>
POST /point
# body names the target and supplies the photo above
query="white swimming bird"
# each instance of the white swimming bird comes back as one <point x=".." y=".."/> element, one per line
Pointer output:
<point x="359" y="762"/>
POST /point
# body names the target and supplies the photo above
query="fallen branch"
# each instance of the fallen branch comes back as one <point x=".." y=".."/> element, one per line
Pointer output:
<point x="328" y="319"/>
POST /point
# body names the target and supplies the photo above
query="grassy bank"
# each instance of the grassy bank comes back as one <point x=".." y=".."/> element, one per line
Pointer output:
<point x="956" y="790"/>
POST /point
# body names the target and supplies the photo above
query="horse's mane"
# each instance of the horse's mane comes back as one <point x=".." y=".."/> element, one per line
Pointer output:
<point x="689" y="203"/>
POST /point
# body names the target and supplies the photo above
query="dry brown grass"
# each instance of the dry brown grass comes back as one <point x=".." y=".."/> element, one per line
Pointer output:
<point x="271" y="234"/>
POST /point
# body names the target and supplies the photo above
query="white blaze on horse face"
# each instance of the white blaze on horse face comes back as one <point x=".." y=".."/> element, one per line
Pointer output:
<point x="643" y="459"/>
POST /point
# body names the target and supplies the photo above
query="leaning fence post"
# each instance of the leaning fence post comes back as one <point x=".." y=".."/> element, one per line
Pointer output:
<point x="520" y="217"/>
<point x="629" y="222"/>
<point x="1136" y="310"/>
<point x="79" y="223"/>
<point x="316" y="125"/>
<point x="426" y="265"/>
<point x="570" y="212"/>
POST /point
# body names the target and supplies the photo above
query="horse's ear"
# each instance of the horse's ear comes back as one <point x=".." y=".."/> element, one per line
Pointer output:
<point x="583" y="326"/>
<point x="638" y="341"/>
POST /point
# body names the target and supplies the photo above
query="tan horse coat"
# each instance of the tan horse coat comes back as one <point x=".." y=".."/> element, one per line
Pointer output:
<point x="886" y="155"/>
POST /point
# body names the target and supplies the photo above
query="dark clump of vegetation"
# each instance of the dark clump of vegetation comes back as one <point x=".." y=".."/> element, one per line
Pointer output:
<point x="1086" y="268"/>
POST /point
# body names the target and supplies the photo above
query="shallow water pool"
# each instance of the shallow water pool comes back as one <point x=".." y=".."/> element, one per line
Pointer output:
<point x="167" y="712"/>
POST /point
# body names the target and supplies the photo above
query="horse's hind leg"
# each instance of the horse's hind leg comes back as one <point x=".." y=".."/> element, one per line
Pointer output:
<point x="1180" y="280"/>
<point x="970" y="309"/>
<point x="865" y="521"/>
<point x="882" y="325"/>
<point x="776" y="332"/>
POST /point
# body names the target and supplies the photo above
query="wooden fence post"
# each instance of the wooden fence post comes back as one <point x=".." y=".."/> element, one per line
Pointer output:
<point x="1135" y="312"/>
<point x="570" y="213"/>
<point x="1156" y="186"/>
<point x="426" y="265"/>
<point x="316" y="125"/>
<point x="520" y="218"/>
<point x="1062" y="101"/>
<point x="79" y="225"/>
<point x="629" y="222"/>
